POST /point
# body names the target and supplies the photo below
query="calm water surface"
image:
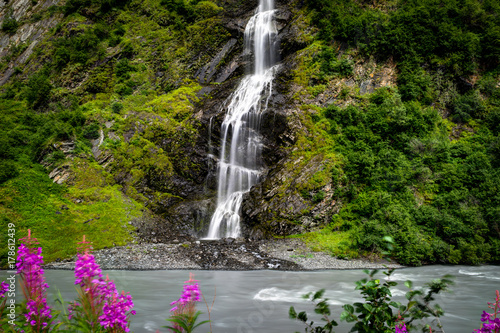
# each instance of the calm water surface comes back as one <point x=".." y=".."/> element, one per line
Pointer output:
<point x="258" y="301"/>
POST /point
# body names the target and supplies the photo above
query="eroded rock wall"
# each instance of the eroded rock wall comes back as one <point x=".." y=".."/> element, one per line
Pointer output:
<point x="34" y="20"/>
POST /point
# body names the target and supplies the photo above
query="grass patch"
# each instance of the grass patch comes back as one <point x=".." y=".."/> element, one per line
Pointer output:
<point x="336" y="243"/>
<point x="59" y="217"/>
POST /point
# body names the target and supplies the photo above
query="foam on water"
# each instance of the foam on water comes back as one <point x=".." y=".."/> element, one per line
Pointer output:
<point x="291" y="296"/>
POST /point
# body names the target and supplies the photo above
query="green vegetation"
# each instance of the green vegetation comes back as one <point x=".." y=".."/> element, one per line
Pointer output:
<point x="10" y="25"/>
<point x="378" y="312"/>
<point x="110" y="83"/>
<point x="401" y="175"/>
<point x="460" y="36"/>
<point x="420" y="161"/>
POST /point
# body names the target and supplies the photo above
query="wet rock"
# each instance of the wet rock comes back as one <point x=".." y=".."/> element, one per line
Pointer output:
<point x="207" y="72"/>
<point x="67" y="147"/>
<point x="289" y="212"/>
<point x="96" y="144"/>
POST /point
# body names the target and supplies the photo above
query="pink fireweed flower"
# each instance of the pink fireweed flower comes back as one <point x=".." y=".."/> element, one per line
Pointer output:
<point x="86" y="269"/>
<point x="100" y="302"/>
<point x="29" y="267"/>
<point x="115" y="314"/>
<point x="491" y="321"/>
<point x="4" y="288"/>
<point x="185" y="317"/>
<point x="105" y="288"/>
<point x="401" y="328"/>
<point x="186" y="304"/>
<point x="190" y="294"/>
<point x="400" y="325"/>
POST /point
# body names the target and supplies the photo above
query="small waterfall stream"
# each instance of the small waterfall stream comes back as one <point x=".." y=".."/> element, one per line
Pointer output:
<point x="240" y="156"/>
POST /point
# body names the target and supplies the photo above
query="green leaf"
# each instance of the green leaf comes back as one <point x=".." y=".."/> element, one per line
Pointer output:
<point x="395" y="304"/>
<point x="411" y="304"/>
<point x="302" y="316"/>
<point x="291" y="313"/>
<point x="368" y="307"/>
<point x="345" y="315"/>
<point x="318" y="294"/>
<point x="349" y="308"/>
<point x="175" y="330"/>
<point x="409" y="284"/>
<point x="388" y="239"/>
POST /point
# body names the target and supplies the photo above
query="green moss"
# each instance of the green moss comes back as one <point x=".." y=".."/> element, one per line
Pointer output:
<point x="33" y="201"/>
<point x="307" y="68"/>
<point x="337" y="243"/>
<point x="177" y="105"/>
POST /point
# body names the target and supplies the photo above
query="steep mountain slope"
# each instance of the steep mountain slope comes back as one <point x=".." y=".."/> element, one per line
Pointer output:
<point x="111" y="114"/>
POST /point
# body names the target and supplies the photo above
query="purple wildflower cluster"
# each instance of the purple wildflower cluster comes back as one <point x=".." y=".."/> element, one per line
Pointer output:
<point x="115" y="312"/>
<point x="190" y="295"/>
<point x="401" y="328"/>
<point x="99" y="298"/>
<point x="491" y="321"/>
<point x="29" y="267"/>
<point x="99" y="302"/>
<point x="4" y="288"/>
<point x="86" y="269"/>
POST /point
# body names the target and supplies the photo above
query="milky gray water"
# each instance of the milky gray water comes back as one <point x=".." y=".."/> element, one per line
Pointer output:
<point x="258" y="301"/>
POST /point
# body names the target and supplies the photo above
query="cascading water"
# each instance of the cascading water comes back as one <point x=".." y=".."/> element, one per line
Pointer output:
<point x="240" y="166"/>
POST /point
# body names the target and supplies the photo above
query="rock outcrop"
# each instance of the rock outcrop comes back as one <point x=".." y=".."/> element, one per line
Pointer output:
<point x="34" y="20"/>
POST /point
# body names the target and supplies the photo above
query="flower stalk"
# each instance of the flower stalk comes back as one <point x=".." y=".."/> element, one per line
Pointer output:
<point x="29" y="268"/>
<point x="99" y="302"/>
<point x="184" y="315"/>
<point x="491" y="321"/>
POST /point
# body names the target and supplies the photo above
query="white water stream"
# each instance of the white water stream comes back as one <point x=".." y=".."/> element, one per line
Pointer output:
<point x="240" y="162"/>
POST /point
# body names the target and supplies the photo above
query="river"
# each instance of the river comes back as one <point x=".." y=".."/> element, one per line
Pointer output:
<point x="258" y="301"/>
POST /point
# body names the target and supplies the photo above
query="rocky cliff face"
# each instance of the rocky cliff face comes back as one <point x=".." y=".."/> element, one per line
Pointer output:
<point x="219" y="78"/>
<point x="160" y="141"/>
<point x="32" y="19"/>
<point x="296" y="194"/>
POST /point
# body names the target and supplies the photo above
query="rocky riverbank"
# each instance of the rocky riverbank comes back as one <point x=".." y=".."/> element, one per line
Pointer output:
<point x="225" y="254"/>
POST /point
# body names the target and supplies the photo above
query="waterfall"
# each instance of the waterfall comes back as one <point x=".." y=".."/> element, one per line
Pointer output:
<point x="240" y="155"/>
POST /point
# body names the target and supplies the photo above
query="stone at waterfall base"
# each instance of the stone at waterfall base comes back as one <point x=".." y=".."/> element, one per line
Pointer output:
<point x="224" y="254"/>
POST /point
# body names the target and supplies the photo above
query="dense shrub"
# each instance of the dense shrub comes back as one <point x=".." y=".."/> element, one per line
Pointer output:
<point x="447" y="33"/>
<point x="92" y="7"/>
<point x="80" y="47"/>
<point x="10" y="25"/>
<point x="403" y="177"/>
<point x="8" y="170"/>
<point x="38" y="89"/>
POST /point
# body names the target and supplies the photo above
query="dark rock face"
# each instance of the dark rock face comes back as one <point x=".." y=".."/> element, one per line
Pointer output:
<point x="207" y="72"/>
<point x="274" y="206"/>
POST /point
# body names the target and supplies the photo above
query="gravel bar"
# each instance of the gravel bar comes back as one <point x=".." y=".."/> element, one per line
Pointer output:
<point x="224" y="254"/>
